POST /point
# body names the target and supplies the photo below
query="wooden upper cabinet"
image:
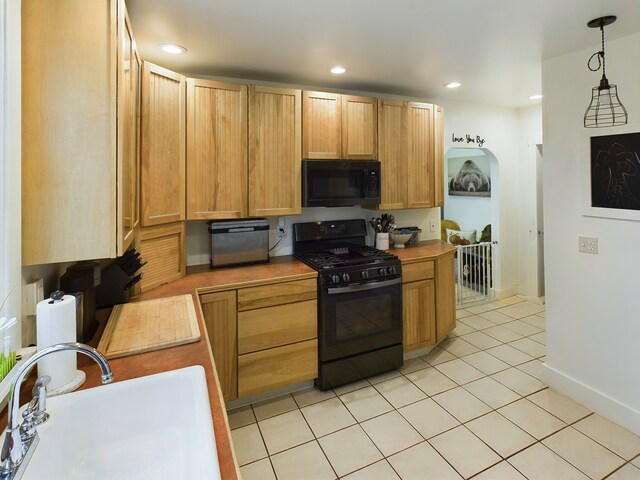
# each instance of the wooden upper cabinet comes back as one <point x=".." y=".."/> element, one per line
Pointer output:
<point x="216" y="150"/>
<point x="359" y="128"/>
<point x="137" y="78"/>
<point x="392" y="153"/>
<point x="420" y="165"/>
<point x="69" y="129"/>
<point x="438" y="161"/>
<point x="321" y="125"/>
<point x="127" y="134"/>
<point x="274" y="151"/>
<point x="162" y="146"/>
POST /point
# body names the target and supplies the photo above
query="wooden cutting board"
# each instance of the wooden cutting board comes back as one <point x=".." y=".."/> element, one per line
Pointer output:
<point x="150" y="325"/>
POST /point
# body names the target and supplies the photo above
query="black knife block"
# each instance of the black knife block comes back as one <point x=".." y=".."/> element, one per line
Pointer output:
<point x="111" y="290"/>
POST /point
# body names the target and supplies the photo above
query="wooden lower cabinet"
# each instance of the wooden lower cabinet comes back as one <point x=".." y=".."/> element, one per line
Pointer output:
<point x="429" y="305"/>
<point x="419" y="314"/>
<point x="445" y="296"/>
<point x="263" y="337"/>
<point x="277" y="367"/>
<point x="219" y="311"/>
<point x="419" y="305"/>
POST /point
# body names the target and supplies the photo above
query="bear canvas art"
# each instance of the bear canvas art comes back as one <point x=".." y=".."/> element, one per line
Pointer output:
<point x="469" y="177"/>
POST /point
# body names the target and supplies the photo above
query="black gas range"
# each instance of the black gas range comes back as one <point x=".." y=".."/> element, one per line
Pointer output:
<point x="359" y="301"/>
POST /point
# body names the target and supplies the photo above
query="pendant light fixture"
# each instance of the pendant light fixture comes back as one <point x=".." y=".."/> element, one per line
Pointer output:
<point x="605" y="109"/>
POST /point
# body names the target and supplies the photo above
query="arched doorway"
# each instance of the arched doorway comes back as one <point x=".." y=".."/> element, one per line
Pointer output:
<point x="472" y="205"/>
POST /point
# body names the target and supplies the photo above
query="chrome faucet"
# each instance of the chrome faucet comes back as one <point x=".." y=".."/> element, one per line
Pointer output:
<point x="19" y="443"/>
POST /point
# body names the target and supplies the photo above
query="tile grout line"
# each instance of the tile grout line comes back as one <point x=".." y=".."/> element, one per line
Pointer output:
<point x="627" y="462"/>
<point x="430" y="365"/>
<point x="315" y="437"/>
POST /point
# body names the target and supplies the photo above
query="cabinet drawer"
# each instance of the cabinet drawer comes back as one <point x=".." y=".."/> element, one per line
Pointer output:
<point x="418" y="271"/>
<point x="275" y="326"/>
<point x="277" y="294"/>
<point x="277" y="367"/>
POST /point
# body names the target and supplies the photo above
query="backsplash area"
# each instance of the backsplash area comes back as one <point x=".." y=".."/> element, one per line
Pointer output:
<point x="199" y="240"/>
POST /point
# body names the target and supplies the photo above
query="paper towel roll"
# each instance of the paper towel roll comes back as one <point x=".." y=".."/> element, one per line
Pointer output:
<point x="56" y="323"/>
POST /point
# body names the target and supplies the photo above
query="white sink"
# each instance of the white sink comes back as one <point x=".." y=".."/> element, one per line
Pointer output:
<point x="151" y="427"/>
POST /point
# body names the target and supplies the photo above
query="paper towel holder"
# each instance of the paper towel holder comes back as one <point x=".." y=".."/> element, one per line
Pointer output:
<point x="52" y="328"/>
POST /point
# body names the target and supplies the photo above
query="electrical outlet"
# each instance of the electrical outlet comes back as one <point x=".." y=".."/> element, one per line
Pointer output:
<point x="432" y="226"/>
<point x="588" y="244"/>
<point x="281" y="231"/>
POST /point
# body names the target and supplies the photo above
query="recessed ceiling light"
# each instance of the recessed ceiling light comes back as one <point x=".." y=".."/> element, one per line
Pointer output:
<point x="172" y="48"/>
<point x="452" y="84"/>
<point x="338" y="70"/>
<point x="537" y="96"/>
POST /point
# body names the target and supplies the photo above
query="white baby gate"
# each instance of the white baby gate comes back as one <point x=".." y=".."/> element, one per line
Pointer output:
<point x="474" y="273"/>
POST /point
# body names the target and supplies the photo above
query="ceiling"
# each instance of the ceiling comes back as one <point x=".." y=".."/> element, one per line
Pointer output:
<point x="404" y="47"/>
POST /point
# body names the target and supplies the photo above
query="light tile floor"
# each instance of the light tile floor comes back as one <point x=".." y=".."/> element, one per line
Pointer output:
<point x="474" y="407"/>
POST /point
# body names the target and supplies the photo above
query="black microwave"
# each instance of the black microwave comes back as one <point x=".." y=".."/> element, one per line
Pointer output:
<point x="340" y="183"/>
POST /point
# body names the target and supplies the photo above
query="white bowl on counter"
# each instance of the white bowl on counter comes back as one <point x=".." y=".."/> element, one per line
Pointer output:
<point x="399" y="239"/>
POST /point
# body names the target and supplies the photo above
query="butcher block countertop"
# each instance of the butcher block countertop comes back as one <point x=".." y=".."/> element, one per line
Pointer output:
<point x="429" y="249"/>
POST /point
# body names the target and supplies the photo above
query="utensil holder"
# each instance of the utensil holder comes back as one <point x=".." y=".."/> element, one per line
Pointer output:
<point x="382" y="240"/>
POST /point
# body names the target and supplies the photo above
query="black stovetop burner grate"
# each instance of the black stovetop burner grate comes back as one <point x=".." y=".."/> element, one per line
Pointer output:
<point x="344" y="256"/>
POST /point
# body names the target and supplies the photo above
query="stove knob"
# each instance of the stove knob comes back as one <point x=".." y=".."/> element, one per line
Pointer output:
<point x="391" y="270"/>
<point x="364" y="274"/>
<point x="335" y="278"/>
<point x="382" y="272"/>
<point x="346" y="277"/>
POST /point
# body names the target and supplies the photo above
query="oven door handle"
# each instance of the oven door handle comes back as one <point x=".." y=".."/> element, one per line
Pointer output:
<point x="366" y="286"/>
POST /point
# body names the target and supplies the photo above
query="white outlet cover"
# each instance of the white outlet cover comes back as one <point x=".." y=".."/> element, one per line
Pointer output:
<point x="588" y="244"/>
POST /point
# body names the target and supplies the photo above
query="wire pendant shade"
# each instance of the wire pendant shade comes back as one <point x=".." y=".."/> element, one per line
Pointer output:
<point x="605" y="108"/>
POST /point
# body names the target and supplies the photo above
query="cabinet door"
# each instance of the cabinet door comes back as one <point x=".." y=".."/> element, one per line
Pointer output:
<point x="163" y="248"/>
<point x="446" y="296"/>
<point x="163" y="146"/>
<point x="216" y="150"/>
<point x="274" y="151"/>
<point x="137" y="78"/>
<point x="419" y="314"/>
<point x="219" y="311"/>
<point x="321" y="125"/>
<point x="69" y="130"/>
<point x="392" y="153"/>
<point x="359" y="128"/>
<point x="438" y="161"/>
<point x="126" y="133"/>
<point x="420" y="158"/>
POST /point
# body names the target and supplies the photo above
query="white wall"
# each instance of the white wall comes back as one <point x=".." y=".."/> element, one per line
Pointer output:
<point x="530" y="135"/>
<point x="593" y="324"/>
<point x="471" y="213"/>
<point x="198" y="239"/>
<point x="10" y="204"/>
<point x="499" y="127"/>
